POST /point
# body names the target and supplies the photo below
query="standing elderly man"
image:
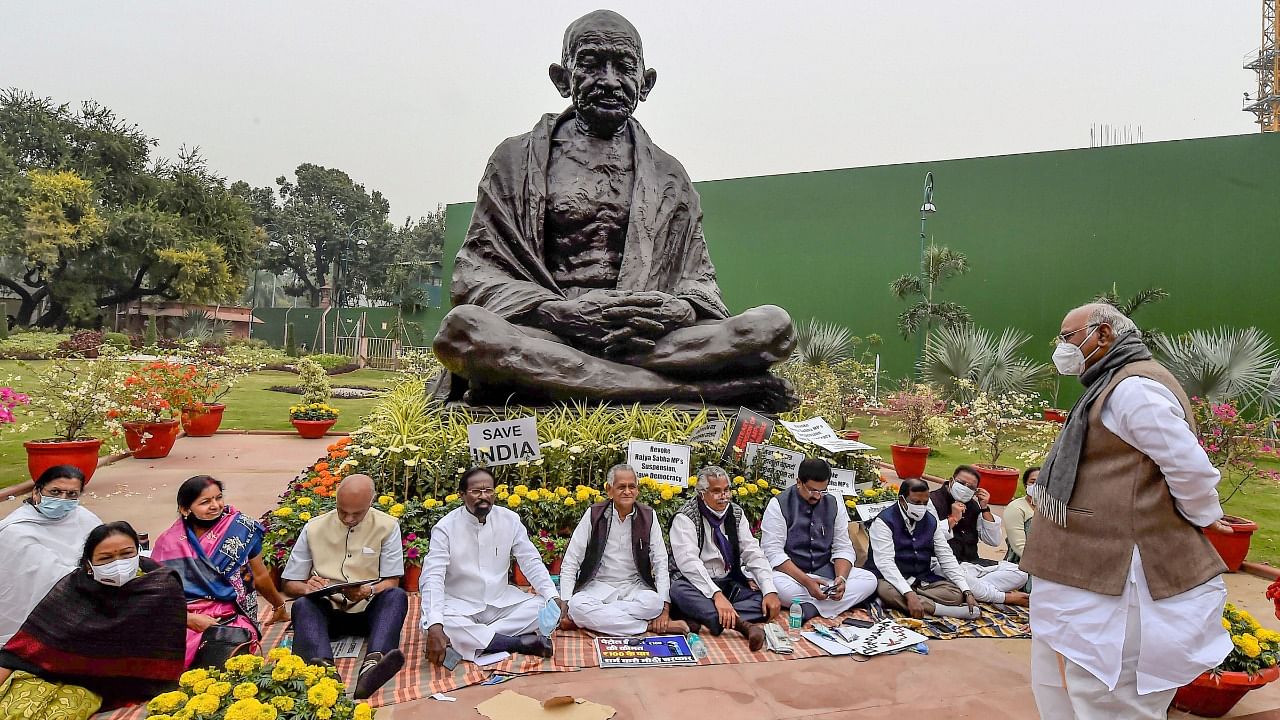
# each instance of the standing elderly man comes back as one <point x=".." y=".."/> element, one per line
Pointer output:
<point x="969" y="519"/>
<point x="614" y="576"/>
<point x="466" y="599"/>
<point x="805" y="536"/>
<point x="714" y="551"/>
<point x="1128" y="598"/>
<point x="353" y="542"/>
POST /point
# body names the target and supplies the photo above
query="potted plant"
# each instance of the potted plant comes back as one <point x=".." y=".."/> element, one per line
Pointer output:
<point x="71" y="397"/>
<point x="1251" y="664"/>
<point x="215" y="373"/>
<point x="415" y="552"/>
<point x="1055" y="413"/>
<point x="313" y="420"/>
<point x="992" y="424"/>
<point x="148" y="402"/>
<point x="921" y="418"/>
<point x="1233" y="443"/>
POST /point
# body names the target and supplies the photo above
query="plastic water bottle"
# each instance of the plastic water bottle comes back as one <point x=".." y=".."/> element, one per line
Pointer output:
<point x="696" y="646"/>
<point x="796" y="619"/>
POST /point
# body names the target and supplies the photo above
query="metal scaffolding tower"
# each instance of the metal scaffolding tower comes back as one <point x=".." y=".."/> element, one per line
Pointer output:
<point x="1265" y="61"/>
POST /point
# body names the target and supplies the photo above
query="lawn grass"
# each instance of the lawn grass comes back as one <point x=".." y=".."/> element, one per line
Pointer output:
<point x="250" y="406"/>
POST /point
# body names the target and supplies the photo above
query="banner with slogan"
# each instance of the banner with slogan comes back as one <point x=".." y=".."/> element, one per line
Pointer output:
<point x="664" y="462"/>
<point x="816" y="431"/>
<point x="707" y="432"/>
<point x="748" y="427"/>
<point x="777" y="465"/>
<point x="504" y="442"/>
<point x="868" y="511"/>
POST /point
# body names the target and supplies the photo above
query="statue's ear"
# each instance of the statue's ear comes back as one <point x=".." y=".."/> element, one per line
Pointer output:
<point x="646" y="87"/>
<point x="560" y="78"/>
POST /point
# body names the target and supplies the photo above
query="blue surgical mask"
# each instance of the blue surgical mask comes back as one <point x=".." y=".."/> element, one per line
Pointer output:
<point x="549" y="618"/>
<point x="56" y="508"/>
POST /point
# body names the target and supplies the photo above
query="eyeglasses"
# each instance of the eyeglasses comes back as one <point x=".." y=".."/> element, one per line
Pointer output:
<point x="1066" y="336"/>
<point x="61" y="494"/>
<point x="727" y="492"/>
<point x="484" y="492"/>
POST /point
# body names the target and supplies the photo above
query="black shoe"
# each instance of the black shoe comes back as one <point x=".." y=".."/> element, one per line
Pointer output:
<point x="376" y="671"/>
<point x="694" y="625"/>
<point x="536" y="645"/>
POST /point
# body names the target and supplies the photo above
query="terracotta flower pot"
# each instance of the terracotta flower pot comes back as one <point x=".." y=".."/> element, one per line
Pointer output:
<point x="1210" y="696"/>
<point x="151" y="440"/>
<point x="412" y="574"/>
<point x="1234" y="547"/>
<point x="1055" y="415"/>
<point x="851" y="434"/>
<point x="518" y="577"/>
<point x="554" y="567"/>
<point x="312" y="429"/>
<point x="44" y="454"/>
<point x="909" y="460"/>
<point x="202" y="420"/>
<point x="1001" y="482"/>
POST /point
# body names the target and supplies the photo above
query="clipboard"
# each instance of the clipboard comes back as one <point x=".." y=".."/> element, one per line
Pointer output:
<point x="328" y="590"/>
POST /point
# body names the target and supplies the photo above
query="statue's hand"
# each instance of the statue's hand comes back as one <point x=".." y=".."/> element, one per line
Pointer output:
<point x="599" y="320"/>
<point x="652" y="314"/>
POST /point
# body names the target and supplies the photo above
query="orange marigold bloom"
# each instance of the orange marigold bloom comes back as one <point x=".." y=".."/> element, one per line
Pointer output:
<point x="321" y="466"/>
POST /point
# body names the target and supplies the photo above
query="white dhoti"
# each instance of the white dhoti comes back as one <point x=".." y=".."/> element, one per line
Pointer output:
<point x="860" y="586"/>
<point x="471" y="634"/>
<point x="615" y="610"/>
<point x="990" y="583"/>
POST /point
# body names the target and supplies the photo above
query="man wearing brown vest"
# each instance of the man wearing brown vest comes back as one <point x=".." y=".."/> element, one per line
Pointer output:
<point x="350" y="543"/>
<point x="614" y="576"/>
<point x="1128" y="599"/>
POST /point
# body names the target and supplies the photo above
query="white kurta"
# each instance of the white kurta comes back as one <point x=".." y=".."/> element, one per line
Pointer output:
<point x="859" y="586"/>
<point x="1181" y="636"/>
<point x="944" y="560"/>
<point x="464" y="579"/>
<point x="616" y="601"/>
<point x="703" y="566"/>
<point x="35" y="553"/>
<point x="989" y="583"/>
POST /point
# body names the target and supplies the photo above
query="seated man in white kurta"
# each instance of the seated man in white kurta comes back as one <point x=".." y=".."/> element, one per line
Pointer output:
<point x="614" y="576"/>
<point x="466" y="599"/>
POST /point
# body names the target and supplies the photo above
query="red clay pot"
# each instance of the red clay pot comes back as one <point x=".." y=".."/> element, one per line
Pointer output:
<point x="851" y="434"/>
<point x="202" y="420"/>
<point x="909" y="460"/>
<point x="1054" y="415"/>
<point x="412" y="574"/>
<point x="150" y="441"/>
<point x="1234" y="547"/>
<point x="44" y="454"/>
<point x="1210" y="696"/>
<point x="1001" y="482"/>
<point x="312" y="429"/>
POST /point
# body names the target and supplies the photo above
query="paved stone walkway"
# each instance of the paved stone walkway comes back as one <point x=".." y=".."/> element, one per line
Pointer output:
<point x="962" y="678"/>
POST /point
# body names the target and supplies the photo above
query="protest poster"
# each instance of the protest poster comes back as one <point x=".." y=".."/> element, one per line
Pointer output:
<point x="885" y="636"/>
<point x="504" y="442"/>
<point x="657" y="651"/>
<point x="777" y="465"/>
<point x="868" y="511"/>
<point x="748" y="427"/>
<point x="816" y="431"/>
<point x="664" y="462"/>
<point x="708" y="432"/>
<point x="842" y="483"/>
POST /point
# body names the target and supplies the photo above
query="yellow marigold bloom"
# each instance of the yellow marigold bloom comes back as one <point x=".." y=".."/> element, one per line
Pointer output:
<point x="189" y="679"/>
<point x="158" y="716"/>
<point x="267" y="713"/>
<point x="219" y="689"/>
<point x="245" y="664"/>
<point x="1249" y="645"/>
<point x="451" y="497"/>
<point x="323" y="695"/>
<point x="1226" y="624"/>
<point x="396" y="510"/>
<point x="304" y="516"/>
<point x="244" y="690"/>
<point x="570" y="502"/>
<point x="205" y="703"/>
<point x="246" y="709"/>
<point x="741" y="492"/>
<point x="430" y="503"/>
<point x="521" y="490"/>
<point x="739" y="480"/>
<point x="280" y="673"/>
<point x="285" y="511"/>
<point x="693" y="480"/>
<point x="202" y="686"/>
<point x="513" y="501"/>
<point x="278" y="653"/>
<point x="170" y="701"/>
<point x="283" y="702"/>
<point x="762" y="483"/>
<point x="385" y="500"/>
<point x="776" y="491"/>
<point x="666" y="493"/>
<point x="324" y="713"/>
<point x="362" y="712"/>
<point x="562" y="492"/>
<point x="304" y="501"/>
<point x="849" y="503"/>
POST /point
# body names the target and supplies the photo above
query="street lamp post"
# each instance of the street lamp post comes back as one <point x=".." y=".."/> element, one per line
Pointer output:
<point x="926" y="208"/>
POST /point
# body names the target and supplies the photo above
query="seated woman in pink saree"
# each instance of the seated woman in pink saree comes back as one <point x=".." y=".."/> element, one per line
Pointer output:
<point x="217" y="551"/>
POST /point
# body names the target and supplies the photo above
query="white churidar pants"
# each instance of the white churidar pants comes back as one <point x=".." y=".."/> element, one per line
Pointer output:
<point x="470" y="634"/>
<point x="860" y="586"/>
<point x="616" y="611"/>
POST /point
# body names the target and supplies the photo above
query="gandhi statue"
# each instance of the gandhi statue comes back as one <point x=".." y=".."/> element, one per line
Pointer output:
<point x="584" y="273"/>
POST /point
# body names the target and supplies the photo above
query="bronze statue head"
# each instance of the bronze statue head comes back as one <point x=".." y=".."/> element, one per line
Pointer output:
<point x="602" y="69"/>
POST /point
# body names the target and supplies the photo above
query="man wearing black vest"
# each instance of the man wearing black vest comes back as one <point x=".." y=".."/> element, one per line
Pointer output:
<point x="907" y="544"/>
<point x="713" y="551"/>
<point x="614" y="576"/>
<point x="964" y="513"/>
<point x="805" y="537"/>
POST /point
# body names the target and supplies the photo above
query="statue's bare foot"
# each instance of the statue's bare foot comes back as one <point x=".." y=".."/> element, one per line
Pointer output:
<point x="765" y="392"/>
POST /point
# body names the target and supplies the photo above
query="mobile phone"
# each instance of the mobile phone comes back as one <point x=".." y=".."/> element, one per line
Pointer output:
<point x="451" y="658"/>
<point x="855" y="622"/>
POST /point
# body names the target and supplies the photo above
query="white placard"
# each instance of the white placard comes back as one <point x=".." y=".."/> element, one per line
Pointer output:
<point x="778" y="465"/>
<point x="664" y="462"/>
<point x="708" y="432"/>
<point x="868" y="511"/>
<point x="842" y="483"/>
<point x="347" y="647"/>
<point x="816" y="431"/>
<point x="504" y="442"/>
<point x="885" y="636"/>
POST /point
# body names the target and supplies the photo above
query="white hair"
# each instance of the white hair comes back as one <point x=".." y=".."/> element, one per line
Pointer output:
<point x="620" y="467"/>
<point x="705" y="475"/>
<point x="1100" y="313"/>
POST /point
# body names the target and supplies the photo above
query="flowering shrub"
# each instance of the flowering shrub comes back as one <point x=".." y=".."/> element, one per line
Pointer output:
<point x="1255" y="647"/>
<point x="1232" y="442"/>
<point x="921" y="415"/>
<point x="550" y="547"/>
<point x="415" y="547"/>
<point x="313" y="411"/>
<point x="247" y="687"/>
<point x="215" y="373"/>
<point x="155" y="392"/>
<point x="82" y="343"/>
<point x="314" y="381"/>
<point x="73" y="396"/>
<point x="993" y="422"/>
<point x="8" y="401"/>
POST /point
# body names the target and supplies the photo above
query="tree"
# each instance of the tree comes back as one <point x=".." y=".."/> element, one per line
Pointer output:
<point x="321" y="222"/>
<point x="939" y="264"/>
<point x="398" y="264"/>
<point x="102" y="224"/>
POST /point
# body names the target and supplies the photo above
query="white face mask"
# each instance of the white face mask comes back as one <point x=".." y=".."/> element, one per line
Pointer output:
<point x="961" y="492"/>
<point x="915" y="513"/>
<point x="116" y="572"/>
<point x="1069" y="359"/>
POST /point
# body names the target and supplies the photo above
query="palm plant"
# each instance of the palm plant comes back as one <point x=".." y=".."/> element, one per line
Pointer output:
<point x="990" y="364"/>
<point x="939" y="264"/>
<point x="823" y="344"/>
<point x="197" y="325"/>
<point x="1129" y="306"/>
<point x="1238" y="365"/>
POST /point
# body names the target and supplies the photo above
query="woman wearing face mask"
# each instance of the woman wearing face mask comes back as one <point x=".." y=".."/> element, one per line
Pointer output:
<point x="40" y="542"/>
<point x="106" y="635"/>
<point x="217" y="550"/>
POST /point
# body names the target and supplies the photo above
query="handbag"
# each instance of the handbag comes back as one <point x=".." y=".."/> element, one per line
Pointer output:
<point x="221" y="642"/>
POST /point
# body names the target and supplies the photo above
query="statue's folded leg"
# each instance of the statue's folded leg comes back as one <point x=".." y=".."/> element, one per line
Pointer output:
<point x="490" y="351"/>
<point x="744" y="344"/>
